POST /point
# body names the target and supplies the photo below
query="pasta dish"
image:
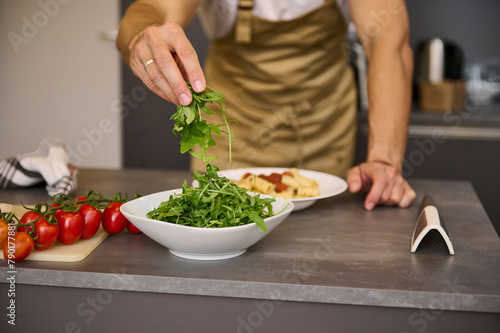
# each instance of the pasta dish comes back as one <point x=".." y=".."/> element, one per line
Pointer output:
<point x="287" y="185"/>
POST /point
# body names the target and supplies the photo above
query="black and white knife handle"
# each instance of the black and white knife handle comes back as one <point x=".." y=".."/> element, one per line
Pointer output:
<point x="427" y="201"/>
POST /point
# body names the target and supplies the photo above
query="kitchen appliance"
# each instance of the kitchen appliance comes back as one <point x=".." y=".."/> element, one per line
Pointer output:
<point x="438" y="78"/>
<point x="438" y="60"/>
<point x="483" y="82"/>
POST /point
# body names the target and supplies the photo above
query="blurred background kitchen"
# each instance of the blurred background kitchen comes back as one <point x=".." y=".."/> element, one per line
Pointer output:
<point x="61" y="76"/>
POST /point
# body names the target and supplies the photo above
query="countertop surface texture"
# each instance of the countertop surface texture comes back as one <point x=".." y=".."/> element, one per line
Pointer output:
<point x="333" y="252"/>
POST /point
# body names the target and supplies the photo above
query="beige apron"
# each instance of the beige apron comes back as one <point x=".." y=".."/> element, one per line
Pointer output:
<point x="290" y="88"/>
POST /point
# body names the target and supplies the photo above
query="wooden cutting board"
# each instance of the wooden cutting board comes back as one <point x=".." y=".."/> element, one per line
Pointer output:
<point x="61" y="252"/>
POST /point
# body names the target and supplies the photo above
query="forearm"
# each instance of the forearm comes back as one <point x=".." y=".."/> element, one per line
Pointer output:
<point x="144" y="13"/>
<point x="389" y="90"/>
<point x="383" y="28"/>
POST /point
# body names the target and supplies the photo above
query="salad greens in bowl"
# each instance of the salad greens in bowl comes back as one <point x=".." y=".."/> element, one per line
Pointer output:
<point x="214" y="220"/>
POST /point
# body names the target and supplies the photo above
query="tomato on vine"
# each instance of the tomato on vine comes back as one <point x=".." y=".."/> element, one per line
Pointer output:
<point x="113" y="221"/>
<point x="44" y="234"/>
<point x="91" y="218"/>
<point x="133" y="229"/>
<point x="58" y="211"/>
<point x="19" y="248"/>
<point x="66" y="219"/>
<point x="4" y="231"/>
<point x="70" y="227"/>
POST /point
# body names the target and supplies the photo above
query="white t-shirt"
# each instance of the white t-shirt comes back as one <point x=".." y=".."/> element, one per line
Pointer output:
<point x="218" y="16"/>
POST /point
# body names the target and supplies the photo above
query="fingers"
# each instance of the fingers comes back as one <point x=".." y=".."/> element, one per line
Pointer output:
<point x="151" y="77"/>
<point x="382" y="185"/>
<point x="397" y="191"/>
<point x="138" y="68"/>
<point x="166" y="75"/>
<point x="185" y="56"/>
<point x="385" y="185"/>
<point x="354" y="180"/>
<point x="173" y="52"/>
<point x="408" y="196"/>
<point x="175" y="62"/>
<point x="402" y="194"/>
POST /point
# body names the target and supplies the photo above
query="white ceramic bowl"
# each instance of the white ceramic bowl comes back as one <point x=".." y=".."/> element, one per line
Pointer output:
<point x="329" y="185"/>
<point x="200" y="243"/>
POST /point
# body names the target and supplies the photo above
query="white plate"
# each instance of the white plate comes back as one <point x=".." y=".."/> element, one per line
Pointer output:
<point x="200" y="243"/>
<point x="329" y="185"/>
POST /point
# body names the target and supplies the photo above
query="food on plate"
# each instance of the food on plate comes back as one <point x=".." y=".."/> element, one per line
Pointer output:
<point x="288" y="185"/>
<point x="216" y="202"/>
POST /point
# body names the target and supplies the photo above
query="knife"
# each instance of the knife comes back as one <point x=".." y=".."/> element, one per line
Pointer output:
<point x="430" y="234"/>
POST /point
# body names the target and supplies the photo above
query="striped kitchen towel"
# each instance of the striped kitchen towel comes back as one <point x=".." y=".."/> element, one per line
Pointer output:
<point x="49" y="164"/>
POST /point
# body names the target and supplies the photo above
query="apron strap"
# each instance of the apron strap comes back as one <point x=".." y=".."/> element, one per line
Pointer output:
<point x="243" y="31"/>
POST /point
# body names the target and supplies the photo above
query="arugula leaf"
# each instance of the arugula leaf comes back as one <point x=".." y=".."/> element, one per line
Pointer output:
<point x="194" y="130"/>
<point x="216" y="202"/>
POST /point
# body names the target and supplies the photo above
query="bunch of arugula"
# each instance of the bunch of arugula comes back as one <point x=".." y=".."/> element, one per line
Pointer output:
<point x="216" y="202"/>
<point x="194" y="130"/>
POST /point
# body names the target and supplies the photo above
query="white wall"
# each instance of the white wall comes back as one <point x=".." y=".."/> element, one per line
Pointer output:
<point x="59" y="77"/>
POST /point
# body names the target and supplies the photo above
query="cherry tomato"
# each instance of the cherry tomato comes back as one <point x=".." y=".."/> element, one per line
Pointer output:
<point x="113" y="220"/>
<point x="92" y="220"/>
<point x="133" y="229"/>
<point x="18" y="247"/>
<point x="28" y="217"/>
<point x="57" y="212"/>
<point x="4" y="230"/>
<point x="70" y="227"/>
<point x="45" y="233"/>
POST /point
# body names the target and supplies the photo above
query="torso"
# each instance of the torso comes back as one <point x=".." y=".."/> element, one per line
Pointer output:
<point x="292" y="92"/>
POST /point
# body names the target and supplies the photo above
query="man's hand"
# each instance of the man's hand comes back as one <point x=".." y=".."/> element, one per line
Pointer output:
<point x="175" y="62"/>
<point x="384" y="184"/>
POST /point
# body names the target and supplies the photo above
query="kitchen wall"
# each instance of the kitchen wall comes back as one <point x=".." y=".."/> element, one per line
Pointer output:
<point x="473" y="24"/>
<point x="148" y="140"/>
<point x="60" y="77"/>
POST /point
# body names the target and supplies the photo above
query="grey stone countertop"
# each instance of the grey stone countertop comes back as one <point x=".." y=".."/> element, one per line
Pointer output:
<point x="332" y="252"/>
